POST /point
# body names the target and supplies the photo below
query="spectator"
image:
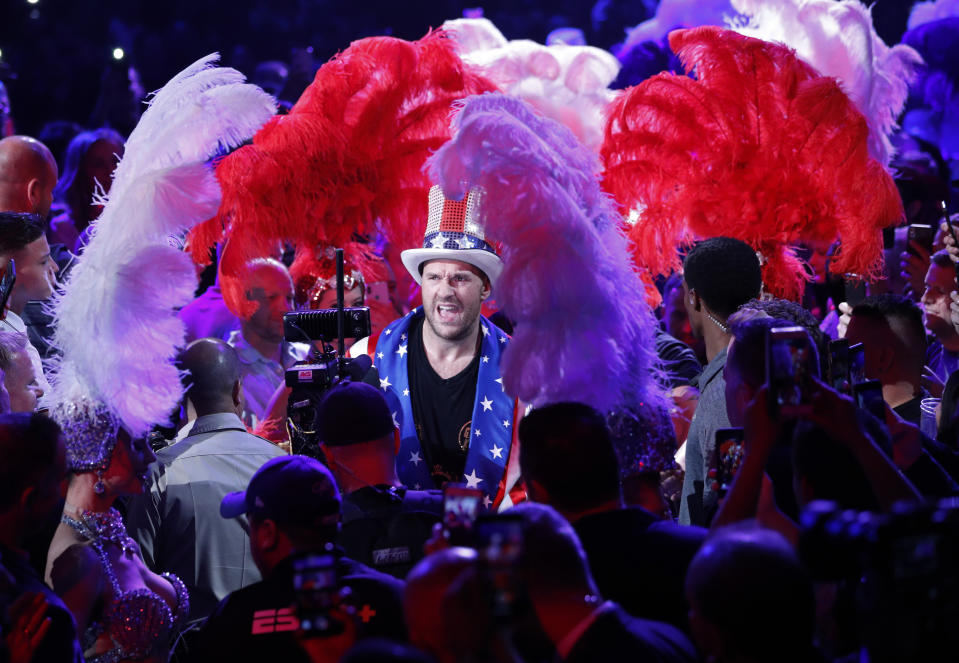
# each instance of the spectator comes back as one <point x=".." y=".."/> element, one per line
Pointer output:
<point x="637" y="560"/>
<point x="675" y="318"/>
<point x="384" y="524"/>
<point x="33" y="481"/>
<point x="264" y="353"/>
<point x="22" y="240"/>
<point x="570" y="609"/>
<point x="426" y="585"/>
<point x="720" y="275"/>
<point x="942" y="356"/>
<point x="28" y="174"/>
<point x="19" y="378"/>
<point x="91" y="158"/>
<point x="795" y="314"/>
<point x="752" y="601"/>
<point x="176" y="523"/>
<point x="894" y="342"/>
<point x="293" y="507"/>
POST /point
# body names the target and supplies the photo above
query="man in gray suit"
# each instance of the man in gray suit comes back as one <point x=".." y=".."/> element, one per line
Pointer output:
<point x="177" y="522"/>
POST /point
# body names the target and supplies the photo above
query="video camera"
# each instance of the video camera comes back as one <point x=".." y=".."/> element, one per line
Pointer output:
<point x="310" y="379"/>
<point x="902" y="569"/>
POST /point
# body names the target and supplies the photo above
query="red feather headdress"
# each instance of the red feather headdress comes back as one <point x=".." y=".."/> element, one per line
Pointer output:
<point x="758" y="147"/>
<point x="349" y="156"/>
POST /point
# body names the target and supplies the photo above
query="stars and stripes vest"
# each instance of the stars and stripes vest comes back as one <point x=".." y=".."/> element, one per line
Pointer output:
<point x="492" y="424"/>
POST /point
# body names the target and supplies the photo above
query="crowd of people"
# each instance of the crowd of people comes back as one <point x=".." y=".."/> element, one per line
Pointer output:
<point x="769" y="473"/>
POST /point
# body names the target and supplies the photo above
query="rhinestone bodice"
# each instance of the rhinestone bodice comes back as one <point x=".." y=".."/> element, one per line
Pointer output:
<point x="136" y="620"/>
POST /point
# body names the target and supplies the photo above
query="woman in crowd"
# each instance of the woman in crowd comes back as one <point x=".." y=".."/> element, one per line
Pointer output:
<point x="91" y="159"/>
<point x="123" y="610"/>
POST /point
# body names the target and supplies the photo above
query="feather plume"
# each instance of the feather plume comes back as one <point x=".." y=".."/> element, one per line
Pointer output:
<point x="569" y="84"/>
<point x="347" y="159"/>
<point x="933" y="10"/>
<point x="838" y="39"/>
<point x="578" y="306"/>
<point x="672" y="14"/>
<point x="758" y="147"/>
<point x="115" y="322"/>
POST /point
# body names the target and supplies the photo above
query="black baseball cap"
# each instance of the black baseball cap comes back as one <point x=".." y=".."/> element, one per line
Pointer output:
<point x="352" y="413"/>
<point x="288" y="489"/>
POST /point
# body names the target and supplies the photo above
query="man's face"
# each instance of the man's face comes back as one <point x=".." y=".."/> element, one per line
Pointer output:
<point x="36" y="271"/>
<point x="21" y="383"/>
<point x="940" y="281"/>
<point x="272" y="290"/>
<point x="453" y="294"/>
<point x="675" y="317"/>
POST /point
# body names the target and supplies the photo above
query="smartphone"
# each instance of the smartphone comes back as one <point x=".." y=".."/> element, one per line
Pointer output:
<point x="315" y="584"/>
<point x="499" y="542"/>
<point x="854" y="289"/>
<point x="839" y="366"/>
<point x="7" y="278"/>
<point x="461" y="505"/>
<point x="857" y="364"/>
<point x="944" y="211"/>
<point x="788" y="351"/>
<point x="923" y="234"/>
<point x="727" y="458"/>
<point x="869" y="398"/>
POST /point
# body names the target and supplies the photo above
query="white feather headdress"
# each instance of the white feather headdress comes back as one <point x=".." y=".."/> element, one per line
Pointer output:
<point x="569" y="84"/>
<point x="837" y="38"/>
<point x="114" y="319"/>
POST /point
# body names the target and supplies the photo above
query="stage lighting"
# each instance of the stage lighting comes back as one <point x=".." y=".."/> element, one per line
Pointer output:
<point x="118" y="53"/>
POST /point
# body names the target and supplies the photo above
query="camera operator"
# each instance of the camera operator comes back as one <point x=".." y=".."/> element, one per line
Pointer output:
<point x="293" y="507"/>
<point x="384" y="524"/>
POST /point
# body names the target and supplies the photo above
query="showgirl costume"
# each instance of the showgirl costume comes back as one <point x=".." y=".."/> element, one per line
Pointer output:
<point x="115" y="322"/>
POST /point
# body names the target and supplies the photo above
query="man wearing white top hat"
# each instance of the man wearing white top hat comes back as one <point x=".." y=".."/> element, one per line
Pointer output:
<point x="439" y="364"/>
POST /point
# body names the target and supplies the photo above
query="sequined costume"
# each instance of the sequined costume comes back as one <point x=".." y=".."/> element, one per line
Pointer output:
<point x="136" y="620"/>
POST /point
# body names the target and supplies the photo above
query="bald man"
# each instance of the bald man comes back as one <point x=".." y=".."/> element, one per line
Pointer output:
<point x="259" y="343"/>
<point x="178" y="523"/>
<point x="28" y="174"/>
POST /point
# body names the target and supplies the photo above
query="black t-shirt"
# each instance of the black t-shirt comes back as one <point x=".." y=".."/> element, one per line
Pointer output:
<point x="442" y="410"/>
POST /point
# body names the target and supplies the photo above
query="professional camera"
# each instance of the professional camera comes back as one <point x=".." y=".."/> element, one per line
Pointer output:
<point x="902" y="567"/>
<point x="310" y="379"/>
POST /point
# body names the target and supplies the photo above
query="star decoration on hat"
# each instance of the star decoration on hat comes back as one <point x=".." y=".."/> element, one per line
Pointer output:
<point x="465" y="243"/>
<point x="437" y="242"/>
<point x="415" y="458"/>
<point x="486" y="403"/>
<point x="496" y="451"/>
<point x="472" y="481"/>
